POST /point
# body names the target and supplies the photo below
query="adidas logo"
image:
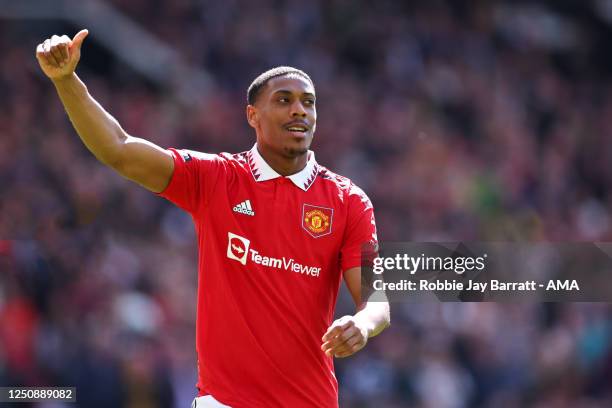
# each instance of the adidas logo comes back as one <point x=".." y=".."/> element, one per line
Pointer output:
<point x="244" y="208"/>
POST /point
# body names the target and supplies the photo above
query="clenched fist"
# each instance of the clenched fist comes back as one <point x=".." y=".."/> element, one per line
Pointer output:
<point x="344" y="337"/>
<point x="59" y="56"/>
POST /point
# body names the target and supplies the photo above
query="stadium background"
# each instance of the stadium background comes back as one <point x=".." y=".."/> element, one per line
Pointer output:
<point x="462" y="120"/>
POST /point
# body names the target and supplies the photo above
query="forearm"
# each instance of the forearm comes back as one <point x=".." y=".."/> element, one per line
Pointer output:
<point x="98" y="130"/>
<point x="374" y="316"/>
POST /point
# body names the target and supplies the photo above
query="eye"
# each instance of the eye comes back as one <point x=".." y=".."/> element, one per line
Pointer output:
<point x="309" y="102"/>
<point x="283" y="99"/>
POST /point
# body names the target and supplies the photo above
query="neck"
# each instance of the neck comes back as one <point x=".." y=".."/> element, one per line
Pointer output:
<point x="283" y="165"/>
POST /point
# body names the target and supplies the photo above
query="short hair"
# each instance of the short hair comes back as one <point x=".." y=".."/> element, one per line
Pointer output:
<point x="261" y="81"/>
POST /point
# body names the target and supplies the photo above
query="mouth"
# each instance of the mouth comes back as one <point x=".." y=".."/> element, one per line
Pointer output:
<point x="297" y="128"/>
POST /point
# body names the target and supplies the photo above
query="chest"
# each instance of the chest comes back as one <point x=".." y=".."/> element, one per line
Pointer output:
<point x="282" y="219"/>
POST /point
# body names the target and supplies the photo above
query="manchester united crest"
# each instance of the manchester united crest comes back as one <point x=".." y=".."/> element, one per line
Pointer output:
<point x="317" y="220"/>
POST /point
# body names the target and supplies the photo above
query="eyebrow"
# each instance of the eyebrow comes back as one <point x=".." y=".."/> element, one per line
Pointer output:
<point x="286" y="91"/>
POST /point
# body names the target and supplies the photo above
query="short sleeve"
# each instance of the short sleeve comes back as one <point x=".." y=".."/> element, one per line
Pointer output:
<point x="360" y="229"/>
<point x="193" y="178"/>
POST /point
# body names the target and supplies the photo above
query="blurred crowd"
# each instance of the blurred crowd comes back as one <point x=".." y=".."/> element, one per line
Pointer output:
<point x="462" y="120"/>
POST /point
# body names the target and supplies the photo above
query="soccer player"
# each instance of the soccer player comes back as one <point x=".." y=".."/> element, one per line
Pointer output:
<point x="276" y="231"/>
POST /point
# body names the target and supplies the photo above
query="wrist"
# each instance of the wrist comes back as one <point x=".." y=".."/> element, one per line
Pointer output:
<point x="364" y="324"/>
<point x="63" y="79"/>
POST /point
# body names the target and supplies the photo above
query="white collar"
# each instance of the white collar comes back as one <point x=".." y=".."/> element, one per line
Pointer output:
<point x="262" y="171"/>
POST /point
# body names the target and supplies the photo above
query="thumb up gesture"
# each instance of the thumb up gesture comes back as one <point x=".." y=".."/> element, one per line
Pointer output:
<point x="59" y="56"/>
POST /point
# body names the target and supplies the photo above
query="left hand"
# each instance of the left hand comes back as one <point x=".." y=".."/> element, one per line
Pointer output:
<point x="344" y="337"/>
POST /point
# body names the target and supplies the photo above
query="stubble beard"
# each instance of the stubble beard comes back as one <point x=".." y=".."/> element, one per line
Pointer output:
<point x="293" y="153"/>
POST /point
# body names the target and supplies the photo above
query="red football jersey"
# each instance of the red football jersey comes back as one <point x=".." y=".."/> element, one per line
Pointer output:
<point x="271" y="253"/>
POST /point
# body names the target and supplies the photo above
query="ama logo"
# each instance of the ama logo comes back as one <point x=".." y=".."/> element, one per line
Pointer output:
<point x="237" y="247"/>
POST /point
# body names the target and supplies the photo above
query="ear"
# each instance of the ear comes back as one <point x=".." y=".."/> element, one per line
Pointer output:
<point x="252" y="117"/>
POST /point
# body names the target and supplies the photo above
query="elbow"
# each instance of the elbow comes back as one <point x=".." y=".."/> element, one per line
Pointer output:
<point x="113" y="156"/>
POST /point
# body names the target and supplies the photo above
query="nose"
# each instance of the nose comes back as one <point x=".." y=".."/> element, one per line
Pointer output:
<point x="297" y="110"/>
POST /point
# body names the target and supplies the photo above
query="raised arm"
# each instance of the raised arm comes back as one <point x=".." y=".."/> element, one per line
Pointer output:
<point x="134" y="158"/>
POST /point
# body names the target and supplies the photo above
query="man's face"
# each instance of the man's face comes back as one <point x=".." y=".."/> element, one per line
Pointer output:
<point x="284" y="116"/>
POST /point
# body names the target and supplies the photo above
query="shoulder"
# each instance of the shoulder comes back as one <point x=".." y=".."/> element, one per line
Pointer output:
<point x="225" y="159"/>
<point x="347" y="189"/>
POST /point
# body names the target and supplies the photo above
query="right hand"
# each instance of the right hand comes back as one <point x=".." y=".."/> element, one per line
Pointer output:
<point x="59" y="56"/>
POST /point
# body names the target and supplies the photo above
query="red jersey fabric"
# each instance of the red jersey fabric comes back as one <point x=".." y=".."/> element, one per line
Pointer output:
<point x="272" y="250"/>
